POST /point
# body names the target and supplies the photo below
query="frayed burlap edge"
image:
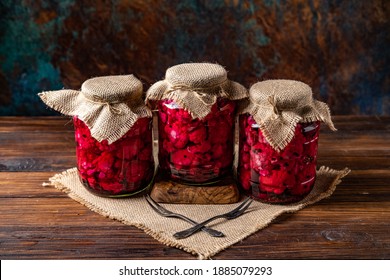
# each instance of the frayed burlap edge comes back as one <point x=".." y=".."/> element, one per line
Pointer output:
<point x="327" y="174"/>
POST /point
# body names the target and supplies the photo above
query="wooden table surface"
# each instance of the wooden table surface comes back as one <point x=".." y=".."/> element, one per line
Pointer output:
<point x="39" y="222"/>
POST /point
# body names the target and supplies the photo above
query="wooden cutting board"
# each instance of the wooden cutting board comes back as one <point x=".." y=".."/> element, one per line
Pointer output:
<point x="223" y="192"/>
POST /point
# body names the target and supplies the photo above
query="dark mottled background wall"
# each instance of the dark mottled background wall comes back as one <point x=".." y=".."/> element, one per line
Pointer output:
<point x="340" y="48"/>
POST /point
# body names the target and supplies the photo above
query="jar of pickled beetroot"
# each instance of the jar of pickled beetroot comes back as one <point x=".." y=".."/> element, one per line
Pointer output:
<point x="278" y="140"/>
<point x="113" y="133"/>
<point x="196" y="118"/>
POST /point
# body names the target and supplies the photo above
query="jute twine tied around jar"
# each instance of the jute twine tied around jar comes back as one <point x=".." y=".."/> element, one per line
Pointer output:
<point x="196" y="87"/>
<point x="108" y="105"/>
<point x="278" y="105"/>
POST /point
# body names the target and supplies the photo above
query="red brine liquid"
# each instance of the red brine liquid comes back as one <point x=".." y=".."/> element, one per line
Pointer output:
<point x="195" y="151"/>
<point x="277" y="177"/>
<point x="118" y="169"/>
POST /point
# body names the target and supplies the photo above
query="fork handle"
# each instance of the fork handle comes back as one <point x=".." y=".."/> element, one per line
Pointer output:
<point x="212" y="232"/>
<point x="188" y="232"/>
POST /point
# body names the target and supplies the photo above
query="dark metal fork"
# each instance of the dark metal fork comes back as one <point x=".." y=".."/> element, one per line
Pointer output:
<point x="229" y="215"/>
<point x="166" y="213"/>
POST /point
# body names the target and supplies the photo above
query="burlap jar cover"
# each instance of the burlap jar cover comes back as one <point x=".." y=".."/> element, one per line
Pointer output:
<point x="108" y="105"/>
<point x="278" y="105"/>
<point x="196" y="87"/>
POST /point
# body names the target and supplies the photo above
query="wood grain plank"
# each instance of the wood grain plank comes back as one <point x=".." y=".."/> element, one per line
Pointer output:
<point x="44" y="124"/>
<point x="319" y="234"/>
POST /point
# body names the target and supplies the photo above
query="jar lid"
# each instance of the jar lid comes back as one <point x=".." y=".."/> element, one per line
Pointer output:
<point x="113" y="89"/>
<point x="108" y="105"/>
<point x="278" y="105"/>
<point x="195" y="87"/>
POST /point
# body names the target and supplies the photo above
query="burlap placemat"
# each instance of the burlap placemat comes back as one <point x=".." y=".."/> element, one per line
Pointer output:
<point x="136" y="212"/>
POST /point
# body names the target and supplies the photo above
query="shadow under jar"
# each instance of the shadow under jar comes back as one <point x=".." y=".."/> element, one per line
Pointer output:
<point x="118" y="169"/>
<point x="277" y="177"/>
<point x="196" y="151"/>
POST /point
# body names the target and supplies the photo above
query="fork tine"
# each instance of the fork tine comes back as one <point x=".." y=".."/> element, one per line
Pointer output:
<point x="151" y="204"/>
<point x="241" y="205"/>
<point x="248" y="202"/>
<point x="149" y="199"/>
<point x="243" y="209"/>
<point x="156" y="207"/>
<point x="239" y="210"/>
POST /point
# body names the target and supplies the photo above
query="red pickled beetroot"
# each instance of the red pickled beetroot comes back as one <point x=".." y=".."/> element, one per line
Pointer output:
<point x="176" y="135"/>
<point x="194" y="150"/>
<point x="273" y="176"/>
<point x="119" y="168"/>
<point x="221" y="130"/>
<point x="104" y="162"/>
<point x="145" y="154"/>
<point x="203" y="148"/>
<point x="182" y="158"/>
<point x="218" y="150"/>
<point x="198" y="135"/>
<point x="201" y="160"/>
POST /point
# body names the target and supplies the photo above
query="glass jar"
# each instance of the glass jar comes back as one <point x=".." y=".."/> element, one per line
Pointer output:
<point x="121" y="168"/>
<point x="277" y="177"/>
<point x="196" y="151"/>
